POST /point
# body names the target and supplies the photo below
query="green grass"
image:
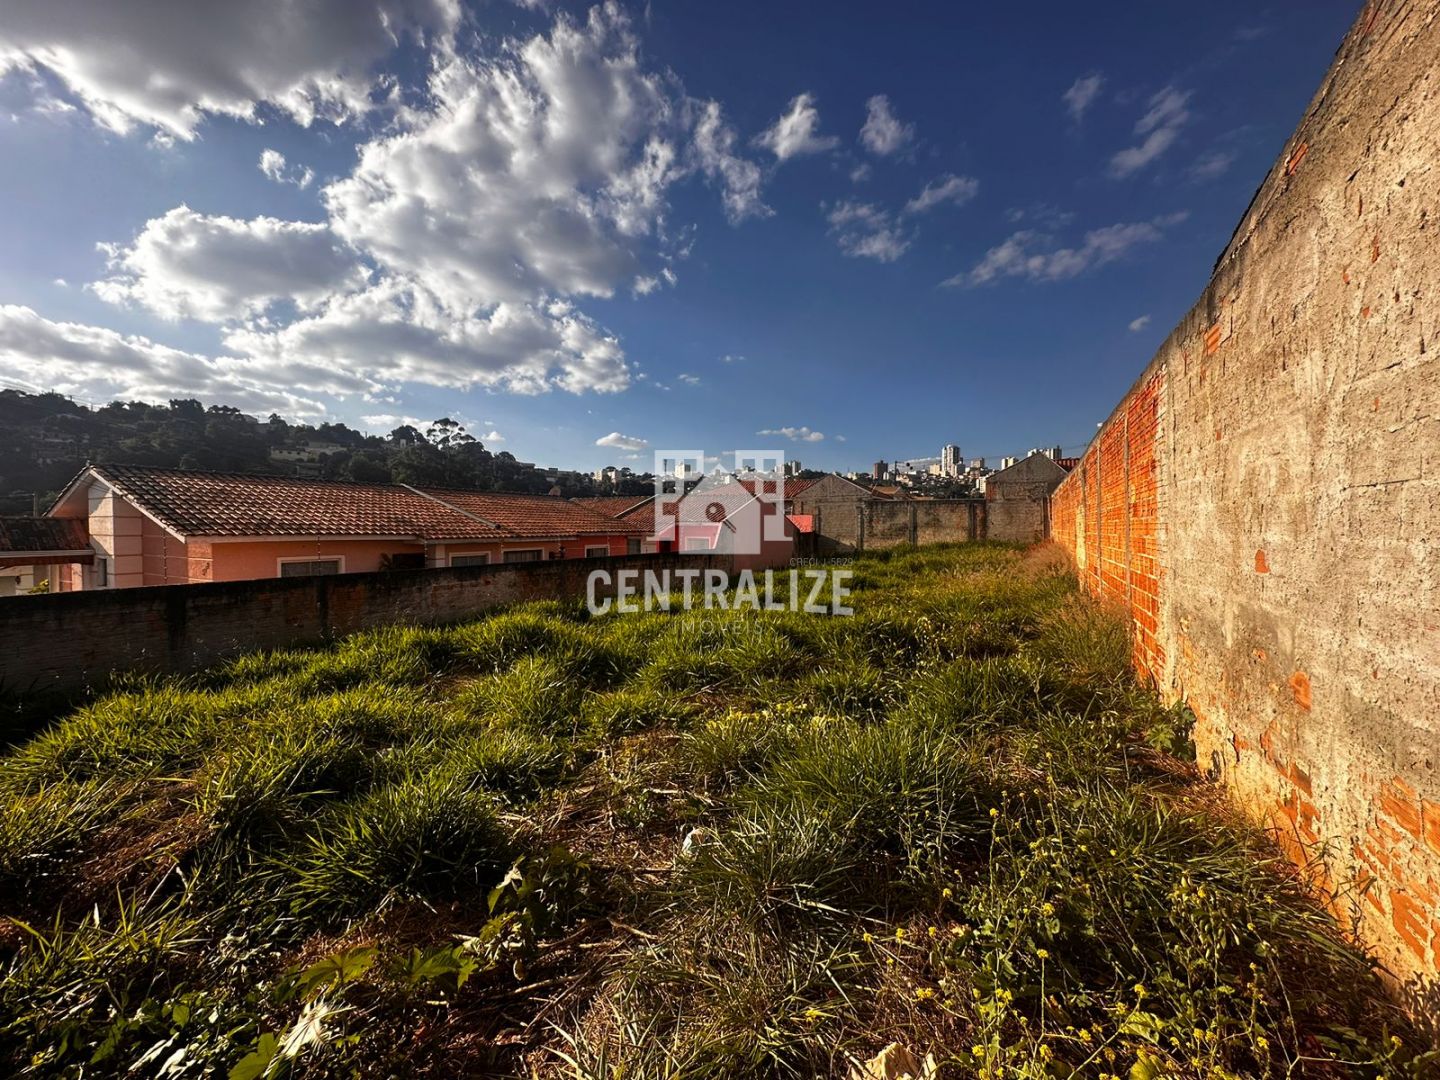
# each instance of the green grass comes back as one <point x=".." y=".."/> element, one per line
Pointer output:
<point x="718" y="844"/>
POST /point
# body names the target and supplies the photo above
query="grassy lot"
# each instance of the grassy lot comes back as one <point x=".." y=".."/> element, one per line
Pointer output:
<point x="638" y="846"/>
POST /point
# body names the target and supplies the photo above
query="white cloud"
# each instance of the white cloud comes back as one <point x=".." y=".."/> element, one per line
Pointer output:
<point x="860" y="173"/>
<point x="396" y="333"/>
<point x="1213" y="163"/>
<point x="689" y="380"/>
<point x="794" y="434"/>
<point x="1082" y="94"/>
<point x="1136" y="325"/>
<point x="883" y="133"/>
<point x="188" y="265"/>
<point x="731" y="358"/>
<point x="492" y="436"/>
<point x="795" y="133"/>
<point x="168" y="63"/>
<point x="390" y="421"/>
<point x="91" y="361"/>
<point x="713" y="146"/>
<point x="273" y="165"/>
<point x="864" y="230"/>
<point x="1028" y="254"/>
<point x="618" y="441"/>
<point x="542" y="171"/>
<point x="948" y="188"/>
<point x="450" y="254"/>
<point x="1167" y="114"/>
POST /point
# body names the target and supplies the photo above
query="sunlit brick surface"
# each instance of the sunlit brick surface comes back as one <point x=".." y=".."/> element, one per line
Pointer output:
<point x="1265" y="501"/>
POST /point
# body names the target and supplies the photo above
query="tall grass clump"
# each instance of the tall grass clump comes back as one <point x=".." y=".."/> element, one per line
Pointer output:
<point x="424" y="838"/>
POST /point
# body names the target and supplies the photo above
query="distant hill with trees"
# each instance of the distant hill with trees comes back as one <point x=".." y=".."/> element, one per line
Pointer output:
<point x="45" y="439"/>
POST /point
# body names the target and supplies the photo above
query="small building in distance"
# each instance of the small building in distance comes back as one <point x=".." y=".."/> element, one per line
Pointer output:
<point x="1017" y="498"/>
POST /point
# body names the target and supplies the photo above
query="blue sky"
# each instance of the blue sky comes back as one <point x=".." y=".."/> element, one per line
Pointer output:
<point x="593" y="233"/>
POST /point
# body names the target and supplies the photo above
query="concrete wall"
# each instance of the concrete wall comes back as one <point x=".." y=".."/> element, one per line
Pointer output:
<point x="67" y="642"/>
<point x="867" y="524"/>
<point x="1266" y="499"/>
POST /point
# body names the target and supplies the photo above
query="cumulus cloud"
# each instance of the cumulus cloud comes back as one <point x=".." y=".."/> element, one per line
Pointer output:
<point x="91" y="361"/>
<point x="948" y="188"/>
<point x="794" y="434"/>
<point x="883" y="133"/>
<point x="1082" y="94"/>
<point x="503" y="189"/>
<point x="189" y="265"/>
<point x="274" y="166"/>
<point x="168" y="63"/>
<point x="1030" y="254"/>
<point x="1136" y="325"/>
<point x="797" y="131"/>
<point x="617" y="441"/>
<point x="395" y="332"/>
<point x="864" y="230"/>
<point x="1167" y="113"/>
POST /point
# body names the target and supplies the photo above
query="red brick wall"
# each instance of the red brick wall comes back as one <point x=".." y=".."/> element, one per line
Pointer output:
<point x="1265" y="501"/>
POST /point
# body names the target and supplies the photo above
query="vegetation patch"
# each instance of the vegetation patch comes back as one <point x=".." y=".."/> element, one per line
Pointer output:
<point x="669" y="845"/>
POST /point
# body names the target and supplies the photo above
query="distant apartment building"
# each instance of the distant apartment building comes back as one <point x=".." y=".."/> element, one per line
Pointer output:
<point x="951" y="461"/>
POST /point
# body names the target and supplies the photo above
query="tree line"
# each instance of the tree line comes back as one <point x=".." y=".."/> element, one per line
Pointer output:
<point x="45" y="439"/>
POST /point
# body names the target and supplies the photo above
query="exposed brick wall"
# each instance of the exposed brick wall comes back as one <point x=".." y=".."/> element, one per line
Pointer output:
<point x="1265" y="501"/>
<point x="66" y="642"/>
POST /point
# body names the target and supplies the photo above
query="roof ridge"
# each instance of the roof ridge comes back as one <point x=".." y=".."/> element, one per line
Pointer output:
<point x="458" y="510"/>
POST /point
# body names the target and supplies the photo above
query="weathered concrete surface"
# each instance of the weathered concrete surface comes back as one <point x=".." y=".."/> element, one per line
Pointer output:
<point x="870" y="524"/>
<point x="1018" y="499"/>
<point x="1266" y="498"/>
<point x="67" y="642"/>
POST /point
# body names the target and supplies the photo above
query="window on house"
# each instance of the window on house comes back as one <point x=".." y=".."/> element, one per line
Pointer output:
<point x="482" y="559"/>
<point x="596" y="551"/>
<point x="697" y="543"/>
<point x="102" y="573"/>
<point x="309" y="567"/>
<point x="632" y="545"/>
<point x="527" y="555"/>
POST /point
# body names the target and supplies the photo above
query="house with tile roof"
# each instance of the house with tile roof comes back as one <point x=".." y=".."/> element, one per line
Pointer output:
<point x="37" y="551"/>
<point x="153" y="526"/>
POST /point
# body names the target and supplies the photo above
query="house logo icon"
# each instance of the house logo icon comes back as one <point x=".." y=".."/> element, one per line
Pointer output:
<point x="732" y="509"/>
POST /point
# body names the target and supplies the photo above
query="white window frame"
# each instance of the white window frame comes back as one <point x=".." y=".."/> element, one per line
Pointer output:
<point x="540" y="552"/>
<point x="697" y="543"/>
<point x="597" y="551"/>
<point x="310" y="558"/>
<point x="471" y="555"/>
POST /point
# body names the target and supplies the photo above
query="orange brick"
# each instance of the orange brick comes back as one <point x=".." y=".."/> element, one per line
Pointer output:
<point x="1300" y="687"/>
<point x="1295" y="158"/>
<point x="1212" y="339"/>
<point x="1430" y="819"/>
<point x="1401" y="811"/>
<point x="1408" y="918"/>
